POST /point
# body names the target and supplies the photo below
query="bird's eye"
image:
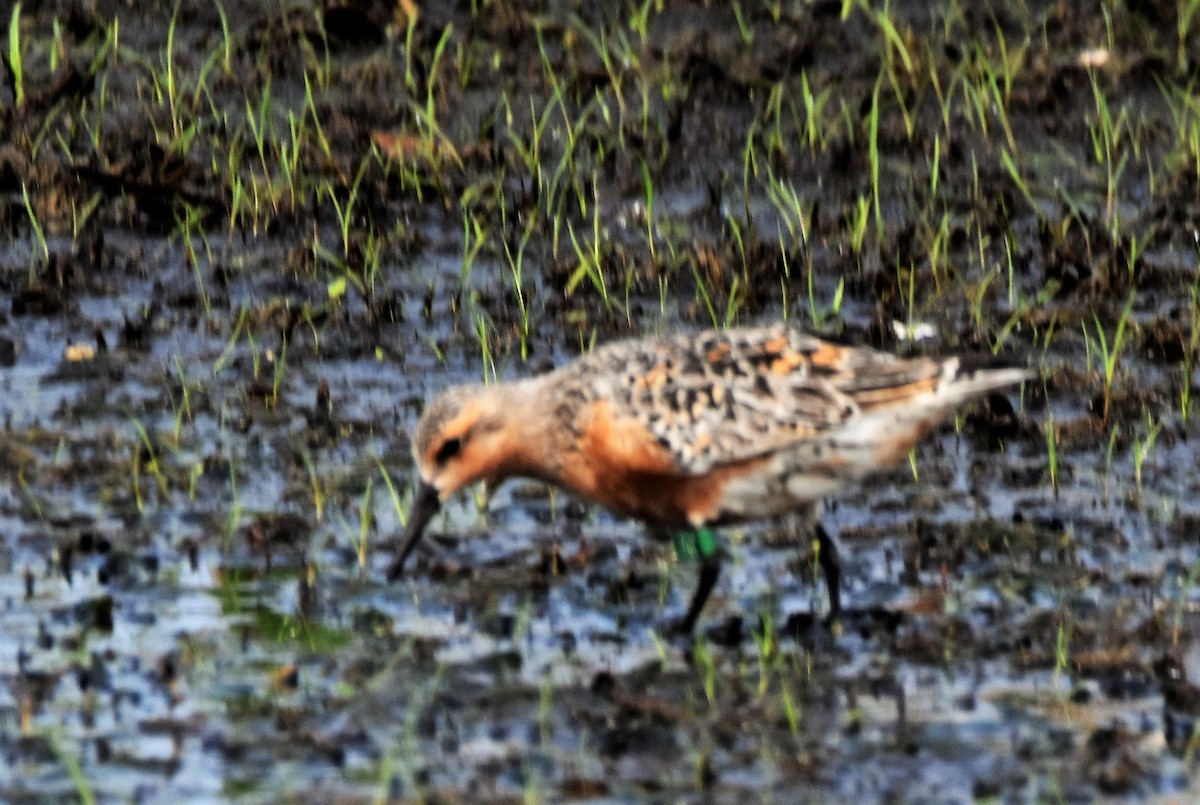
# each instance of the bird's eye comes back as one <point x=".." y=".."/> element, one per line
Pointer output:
<point x="449" y="449"/>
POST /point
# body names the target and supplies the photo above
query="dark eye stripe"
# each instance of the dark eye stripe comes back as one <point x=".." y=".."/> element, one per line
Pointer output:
<point x="449" y="449"/>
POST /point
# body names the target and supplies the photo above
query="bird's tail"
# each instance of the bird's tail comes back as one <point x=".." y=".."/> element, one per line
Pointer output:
<point x="967" y="377"/>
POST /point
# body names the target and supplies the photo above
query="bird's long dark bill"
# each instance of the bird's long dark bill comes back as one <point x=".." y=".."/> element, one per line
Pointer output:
<point x="424" y="506"/>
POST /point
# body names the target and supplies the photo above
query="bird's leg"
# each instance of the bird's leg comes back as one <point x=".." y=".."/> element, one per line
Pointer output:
<point x="710" y="570"/>
<point x="831" y="566"/>
<point x="700" y="545"/>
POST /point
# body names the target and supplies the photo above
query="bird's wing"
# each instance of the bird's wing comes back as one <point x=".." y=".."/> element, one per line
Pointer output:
<point x="716" y="398"/>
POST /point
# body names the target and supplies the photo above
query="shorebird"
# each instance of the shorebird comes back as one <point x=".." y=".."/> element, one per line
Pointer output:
<point x="696" y="431"/>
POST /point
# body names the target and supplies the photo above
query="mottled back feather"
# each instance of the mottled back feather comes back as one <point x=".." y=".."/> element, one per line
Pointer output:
<point x="715" y="398"/>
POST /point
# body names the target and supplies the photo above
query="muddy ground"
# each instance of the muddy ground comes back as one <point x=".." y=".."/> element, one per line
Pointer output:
<point x="243" y="242"/>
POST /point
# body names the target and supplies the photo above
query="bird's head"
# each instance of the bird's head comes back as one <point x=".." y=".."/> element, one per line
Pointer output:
<point x="467" y="434"/>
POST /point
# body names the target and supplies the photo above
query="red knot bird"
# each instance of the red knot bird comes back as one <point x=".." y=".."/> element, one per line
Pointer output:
<point x="695" y="431"/>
